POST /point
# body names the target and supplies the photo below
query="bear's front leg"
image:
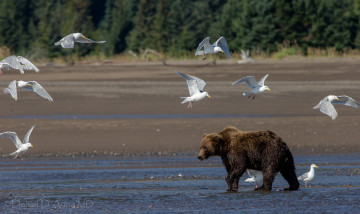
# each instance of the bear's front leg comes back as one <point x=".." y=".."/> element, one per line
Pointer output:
<point x="232" y="179"/>
<point x="232" y="187"/>
<point x="229" y="169"/>
<point x="227" y="179"/>
<point x="236" y="182"/>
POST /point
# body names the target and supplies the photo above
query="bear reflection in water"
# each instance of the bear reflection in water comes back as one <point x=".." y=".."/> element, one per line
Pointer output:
<point x="261" y="150"/>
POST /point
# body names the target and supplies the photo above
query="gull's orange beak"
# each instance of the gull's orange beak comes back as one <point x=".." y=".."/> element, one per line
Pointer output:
<point x="316" y="166"/>
<point x="84" y="37"/>
<point x="269" y="89"/>
<point x="31" y="146"/>
<point x="209" y="96"/>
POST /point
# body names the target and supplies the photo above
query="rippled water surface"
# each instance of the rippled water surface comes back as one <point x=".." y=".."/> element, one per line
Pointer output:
<point x="169" y="184"/>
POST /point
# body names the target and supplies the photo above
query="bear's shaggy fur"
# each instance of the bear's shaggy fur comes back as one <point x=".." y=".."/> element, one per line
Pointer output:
<point x="260" y="150"/>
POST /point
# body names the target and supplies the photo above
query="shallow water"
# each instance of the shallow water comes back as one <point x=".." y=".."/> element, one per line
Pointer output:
<point x="169" y="184"/>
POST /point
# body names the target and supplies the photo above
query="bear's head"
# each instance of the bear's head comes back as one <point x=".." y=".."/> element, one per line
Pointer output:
<point x="211" y="145"/>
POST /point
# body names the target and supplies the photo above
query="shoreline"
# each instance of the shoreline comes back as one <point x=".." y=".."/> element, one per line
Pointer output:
<point x="149" y="154"/>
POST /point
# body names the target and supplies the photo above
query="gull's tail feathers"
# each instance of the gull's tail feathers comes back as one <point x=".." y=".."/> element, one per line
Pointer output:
<point x="186" y="99"/>
<point x="246" y="93"/>
<point x="11" y="89"/>
<point x="199" y="53"/>
<point x="317" y="106"/>
<point x="6" y="91"/>
<point x="14" y="153"/>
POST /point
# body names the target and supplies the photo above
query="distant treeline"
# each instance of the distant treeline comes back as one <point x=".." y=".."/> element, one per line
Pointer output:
<point x="175" y="27"/>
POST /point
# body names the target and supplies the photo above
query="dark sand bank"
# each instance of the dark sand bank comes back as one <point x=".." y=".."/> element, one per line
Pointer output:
<point x="118" y="109"/>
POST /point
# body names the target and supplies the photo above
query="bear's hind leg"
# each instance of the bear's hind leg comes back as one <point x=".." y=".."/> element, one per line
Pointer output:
<point x="290" y="177"/>
<point x="268" y="179"/>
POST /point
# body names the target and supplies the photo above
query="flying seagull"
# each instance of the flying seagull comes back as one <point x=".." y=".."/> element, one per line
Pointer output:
<point x="255" y="176"/>
<point x="17" y="63"/>
<point x="308" y="176"/>
<point x="256" y="87"/>
<point x="29" y="86"/>
<point x="21" y="146"/>
<point x="326" y="104"/>
<point x="69" y="40"/>
<point x="196" y="87"/>
<point x="219" y="46"/>
<point x="245" y="57"/>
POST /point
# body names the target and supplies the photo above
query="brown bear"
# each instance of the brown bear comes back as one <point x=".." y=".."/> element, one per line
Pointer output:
<point x="260" y="150"/>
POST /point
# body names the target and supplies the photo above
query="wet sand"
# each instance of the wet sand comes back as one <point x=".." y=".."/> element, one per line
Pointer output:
<point x="134" y="108"/>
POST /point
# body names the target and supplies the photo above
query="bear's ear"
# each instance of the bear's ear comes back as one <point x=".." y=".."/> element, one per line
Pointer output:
<point x="204" y="135"/>
<point x="218" y="139"/>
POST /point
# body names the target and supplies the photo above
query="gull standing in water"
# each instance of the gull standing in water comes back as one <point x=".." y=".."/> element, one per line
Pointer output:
<point x="308" y="176"/>
<point x="21" y="146"/>
<point x="17" y="63"/>
<point x="29" y="86"/>
<point x="196" y="87"/>
<point x="69" y="40"/>
<point x="326" y="104"/>
<point x="256" y="87"/>
<point x="255" y="176"/>
<point x="219" y="46"/>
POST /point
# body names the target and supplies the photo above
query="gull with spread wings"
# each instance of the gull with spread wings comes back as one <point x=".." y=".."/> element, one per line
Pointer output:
<point x="256" y="87"/>
<point x="195" y="86"/>
<point x="21" y="146"/>
<point x="29" y="86"/>
<point x="17" y="63"/>
<point x="326" y="104"/>
<point x="69" y="40"/>
<point x="219" y="46"/>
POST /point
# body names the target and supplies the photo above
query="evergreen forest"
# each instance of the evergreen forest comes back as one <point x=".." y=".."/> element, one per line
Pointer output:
<point x="176" y="27"/>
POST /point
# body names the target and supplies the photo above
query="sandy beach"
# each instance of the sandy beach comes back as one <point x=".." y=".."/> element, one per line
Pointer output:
<point x="118" y="108"/>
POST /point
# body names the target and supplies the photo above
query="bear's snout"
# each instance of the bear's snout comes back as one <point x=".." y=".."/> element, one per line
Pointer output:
<point x="202" y="154"/>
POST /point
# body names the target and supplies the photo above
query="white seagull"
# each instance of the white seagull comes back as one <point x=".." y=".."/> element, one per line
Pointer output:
<point x="255" y="176"/>
<point x="21" y="146"/>
<point x="69" y="40"/>
<point x="245" y="57"/>
<point x="196" y="87"/>
<point x="326" y="104"/>
<point x="256" y="87"/>
<point x="308" y="176"/>
<point x="17" y="63"/>
<point x="29" y="86"/>
<point x="219" y="46"/>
